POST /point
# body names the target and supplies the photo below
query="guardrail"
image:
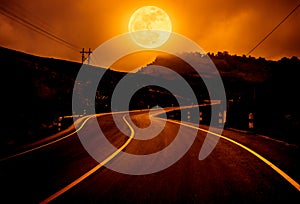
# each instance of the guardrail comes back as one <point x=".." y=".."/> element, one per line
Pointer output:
<point x="61" y="121"/>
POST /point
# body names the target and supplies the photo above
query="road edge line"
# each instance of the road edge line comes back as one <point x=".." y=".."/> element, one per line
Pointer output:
<point x="273" y="166"/>
<point x="48" y="143"/>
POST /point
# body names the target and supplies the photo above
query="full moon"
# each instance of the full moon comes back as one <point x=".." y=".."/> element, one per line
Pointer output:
<point x="150" y="26"/>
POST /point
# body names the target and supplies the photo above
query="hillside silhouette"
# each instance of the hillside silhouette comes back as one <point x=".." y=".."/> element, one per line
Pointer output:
<point x="38" y="90"/>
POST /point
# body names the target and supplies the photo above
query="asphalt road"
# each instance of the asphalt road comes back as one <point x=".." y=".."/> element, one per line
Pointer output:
<point x="64" y="172"/>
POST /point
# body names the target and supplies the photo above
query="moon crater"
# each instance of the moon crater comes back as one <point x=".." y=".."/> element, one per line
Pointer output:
<point x="150" y="27"/>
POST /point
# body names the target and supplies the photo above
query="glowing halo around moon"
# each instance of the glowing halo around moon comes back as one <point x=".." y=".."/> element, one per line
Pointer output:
<point x="150" y="26"/>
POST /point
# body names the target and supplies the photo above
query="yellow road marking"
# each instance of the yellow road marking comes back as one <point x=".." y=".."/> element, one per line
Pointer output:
<point x="60" y="192"/>
<point x="278" y="170"/>
<point x="93" y="170"/>
<point x="77" y="130"/>
<point x="49" y="143"/>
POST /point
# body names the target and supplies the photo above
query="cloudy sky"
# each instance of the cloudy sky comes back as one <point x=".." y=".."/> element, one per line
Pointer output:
<point x="235" y="26"/>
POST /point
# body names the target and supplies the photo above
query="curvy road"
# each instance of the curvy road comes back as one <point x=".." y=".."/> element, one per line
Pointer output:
<point x="242" y="168"/>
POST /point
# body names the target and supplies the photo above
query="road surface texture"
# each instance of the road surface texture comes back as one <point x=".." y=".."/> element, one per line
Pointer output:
<point x="63" y="171"/>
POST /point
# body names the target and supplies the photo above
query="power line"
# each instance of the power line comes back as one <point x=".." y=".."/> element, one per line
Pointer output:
<point x="281" y="22"/>
<point x="37" y="29"/>
<point x="32" y="17"/>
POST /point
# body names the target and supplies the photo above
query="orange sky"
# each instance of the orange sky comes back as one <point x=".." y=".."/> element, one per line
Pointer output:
<point x="233" y="25"/>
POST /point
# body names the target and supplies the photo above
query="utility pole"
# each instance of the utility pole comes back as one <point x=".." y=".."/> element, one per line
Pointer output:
<point x="85" y="52"/>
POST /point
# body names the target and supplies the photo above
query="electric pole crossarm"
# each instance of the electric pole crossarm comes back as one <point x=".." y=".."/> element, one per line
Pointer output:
<point x="85" y="52"/>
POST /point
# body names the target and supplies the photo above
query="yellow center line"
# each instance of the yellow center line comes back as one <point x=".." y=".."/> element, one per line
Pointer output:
<point x="77" y="130"/>
<point x="278" y="170"/>
<point x="64" y="137"/>
<point x="93" y="170"/>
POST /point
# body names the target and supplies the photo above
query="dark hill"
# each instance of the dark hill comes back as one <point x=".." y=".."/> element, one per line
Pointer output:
<point x="267" y="88"/>
<point x="37" y="90"/>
